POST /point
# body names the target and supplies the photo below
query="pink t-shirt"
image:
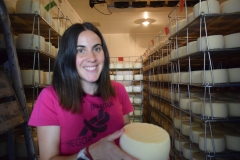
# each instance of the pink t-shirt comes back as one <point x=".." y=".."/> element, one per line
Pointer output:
<point x="97" y="120"/>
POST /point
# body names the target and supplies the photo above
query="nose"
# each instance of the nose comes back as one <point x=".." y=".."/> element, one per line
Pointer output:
<point x="91" y="57"/>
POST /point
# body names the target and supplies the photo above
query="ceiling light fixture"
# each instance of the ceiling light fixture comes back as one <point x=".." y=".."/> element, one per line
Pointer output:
<point x="145" y="23"/>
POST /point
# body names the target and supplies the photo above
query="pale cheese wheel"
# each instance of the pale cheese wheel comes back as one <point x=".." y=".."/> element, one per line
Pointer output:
<point x="210" y="42"/>
<point x="179" y="142"/>
<point x="180" y="95"/>
<point x="192" y="47"/>
<point x="234" y="108"/>
<point x="30" y="41"/>
<point x="47" y="78"/>
<point x="30" y="6"/>
<point x="172" y="30"/>
<point x="144" y="141"/>
<point x="175" y="77"/>
<point x="233" y="75"/>
<point x="181" y="24"/>
<point x="218" y="139"/>
<point x="196" y="106"/>
<point x="137" y="65"/>
<point x="127" y="65"/>
<point x="232" y="141"/>
<point x="196" y="131"/>
<point x="215" y="109"/>
<point x="231" y="40"/>
<point x="118" y="77"/>
<point x="137" y="88"/>
<point x="188" y="150"/>
<point x="128" y="77"/>
<point x="48" y="46"/>
<point x="173" y="54"/>
<point x="206" y="7"/>
<point x="198" y="156"/>
<point x="184" y="102"/>
<point x="187" y="125"/>
<point x="178" y="121"/>
<point x="111" y="66"/>
<point x="118" y="65"/>
<point x="214" y="76"/>
<point x="137" y="112"/>
<point x="112" y="77"/>
<point x="230" y="6"/>
<point x="129" y="88"/>
<point x="137" y="99"/>
<point x="190" y="17"/>
<point x="138" y="77"/>
<point x="184" y="77"/>
<point x="30" y="77"/>
<point x="182" y="51"/>
<point x="196" y="77"/>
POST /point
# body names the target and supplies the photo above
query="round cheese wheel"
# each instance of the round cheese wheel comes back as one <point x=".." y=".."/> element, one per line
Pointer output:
<point x="128" y="77"/>
<point x="215" y="76"/>
<point x="199" y="156"/>
<point x="137" y="88"/>
<point x="210" y="42"/>
<point x="190" y="17"/>
<point x="47" y="77"/>
<point x="192" y="47"/>
<point x="186" y="127"/>
<point x="234" y="108"/>
<point x="196" y="77"/>
<point x="178" y="121"/>
<point x="172" y="30"/>
<point x="188" y="151"/>
<point x="27" y="77"/>
<point x="173" y="54"/>
<point x="179" y="142"/>
<point x="206" y="7"/>
<point x="138" y="77"/>
<point x="181" y="24"/>
<point x="30" y="41"/>
<point x="145" y="141"/>
<point x="196" y="106"/>
<point x="137" y="99"/>
<point x="231" y="40"/>
<point x="127" y="65"/>
<point x="233" y="74"/>
<point x="30" y="6"/>
<point x="118" y="65"/>
<point x="196" y="131"/>
<point x="232" y="141"/>
<point x="180" y="95"/>
<point x="230" y="6"/>
<point x="218" y="139"/>
<point x="184" y="77"/>
<point x="182" y="51"/>
<point x="184" y="102"/>
<point x="215" y="109"/>
<point x="112" y="77"/>
<point x="119" y="77"/>
<point x="111" y="65"/>
<point x="137" y="112"/>
<point x="137" y="65"/>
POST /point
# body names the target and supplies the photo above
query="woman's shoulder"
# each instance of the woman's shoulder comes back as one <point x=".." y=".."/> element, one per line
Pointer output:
<point x="49" y="90"/>
<point x="116" y="84"/>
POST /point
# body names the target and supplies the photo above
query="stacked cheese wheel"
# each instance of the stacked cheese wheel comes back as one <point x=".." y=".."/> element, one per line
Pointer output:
<point x="145" y="141"/>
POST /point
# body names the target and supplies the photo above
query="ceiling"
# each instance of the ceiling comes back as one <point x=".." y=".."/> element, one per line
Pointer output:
<point x="114" y="20"/>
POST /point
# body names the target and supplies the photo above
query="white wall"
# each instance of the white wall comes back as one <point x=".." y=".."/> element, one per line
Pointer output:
<point x="123" y="45"/>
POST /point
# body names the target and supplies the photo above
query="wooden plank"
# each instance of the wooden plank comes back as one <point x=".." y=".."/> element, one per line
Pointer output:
<point x="10" y="116"/>
<point x="5" y="87"/>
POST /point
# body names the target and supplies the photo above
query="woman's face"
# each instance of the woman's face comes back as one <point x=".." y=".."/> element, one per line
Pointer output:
<point x="89" y="57"/>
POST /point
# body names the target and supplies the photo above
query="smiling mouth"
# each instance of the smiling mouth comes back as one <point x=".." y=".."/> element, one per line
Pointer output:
<point x="90" y="68"/>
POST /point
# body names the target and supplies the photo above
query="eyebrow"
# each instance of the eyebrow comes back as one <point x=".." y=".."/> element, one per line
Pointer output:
<point x="93" y="46"/>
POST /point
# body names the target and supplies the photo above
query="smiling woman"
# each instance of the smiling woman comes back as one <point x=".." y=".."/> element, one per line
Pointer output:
<point x="81" y="115"/>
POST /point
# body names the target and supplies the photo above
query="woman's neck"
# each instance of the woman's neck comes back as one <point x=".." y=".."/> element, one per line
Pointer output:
<point x="89" y="87"/>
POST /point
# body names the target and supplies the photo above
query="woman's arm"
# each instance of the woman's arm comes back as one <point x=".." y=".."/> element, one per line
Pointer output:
<point x="126" y="119"/>
<point x="48" y="140"/>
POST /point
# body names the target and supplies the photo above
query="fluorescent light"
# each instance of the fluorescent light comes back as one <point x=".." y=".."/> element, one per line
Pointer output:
<point x="145" y="23"/>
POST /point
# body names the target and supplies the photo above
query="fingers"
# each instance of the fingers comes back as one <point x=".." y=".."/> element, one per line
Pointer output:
<point x="115" y="135"/>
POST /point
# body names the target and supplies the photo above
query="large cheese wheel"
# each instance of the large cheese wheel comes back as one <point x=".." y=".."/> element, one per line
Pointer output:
<point x="180" y="95"/>
<point x="192" y="47"/>
<point x="233" y="74"/>
<point x="232" y="141"/>
<point x="210" y="42"/>
<point x="30" y="41"/>
<point x="196" y="77"/>
<point x="145" y="141"/>
<point x="184" y="102"/>
<point x="137" y="65"/>
<point x="30" y="77"/>
<point x="179" y="142"/>
<point x="190" y="17"/>
<point x="118" y="65"/>
<point x="186" y="127"/>
<point x="196" y="106"/>
<point x="137" y="99"/>
<point x="127" y="65"/>
<point x="196" y="131"/>
<point x="178" y="121"/>
<point x="181" y="24"/>
<point x="182" y="51"/>
<point x="184" y="77"/>
<point x="206" y="7"/>
<point x="234" y="108"/>
<point x="230" y="6"/>
<point x="215" y="76"/>
<point x="188" y="150"/>
<point x="231" y="40"/>
<point x="128" y="77"/>
<point x="172" y="30"/>
<point x="218" y="139"/>
<point x="137" y="88"/>
<point x="138" y="77"/>
<point x="173" y="54"/>
<point x="215" y="109"/>
<point x="30" y="6"/>
<point x="112" y="77"/>
<point x="47" y="78"/>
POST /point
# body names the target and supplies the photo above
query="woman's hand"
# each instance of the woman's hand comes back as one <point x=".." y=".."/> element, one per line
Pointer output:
<point x="105" y="149"/>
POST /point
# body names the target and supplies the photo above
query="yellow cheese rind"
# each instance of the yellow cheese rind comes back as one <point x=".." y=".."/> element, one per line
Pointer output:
<point x="145" y="141"/>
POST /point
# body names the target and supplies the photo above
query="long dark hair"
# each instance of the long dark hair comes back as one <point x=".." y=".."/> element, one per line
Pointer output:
<point x="66" y="80"/>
